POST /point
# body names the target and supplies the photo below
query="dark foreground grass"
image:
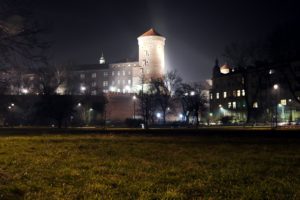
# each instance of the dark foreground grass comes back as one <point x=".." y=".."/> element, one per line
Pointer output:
<point x="148" y="167"/>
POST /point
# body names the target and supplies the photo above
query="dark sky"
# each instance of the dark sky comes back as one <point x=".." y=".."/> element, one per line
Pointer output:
<point x="196" y="31"/>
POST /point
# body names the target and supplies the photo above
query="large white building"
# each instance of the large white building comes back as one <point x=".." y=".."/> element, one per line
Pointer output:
<point x="125" y="76"/>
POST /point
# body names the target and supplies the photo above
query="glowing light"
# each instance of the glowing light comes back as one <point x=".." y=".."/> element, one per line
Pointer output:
<point x="193" y="93"/>
<point x="134" y="98"/>
<point x="25" y="91"/>
<point x="79" y="105"/>
<point x="112" y="89"/>
<point x="158" y="115"/>
<point x="82" y="88"/>
<point x="276" y="87"/>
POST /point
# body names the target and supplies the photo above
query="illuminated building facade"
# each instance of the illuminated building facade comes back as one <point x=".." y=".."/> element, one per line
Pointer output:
<point x="124" y="76"/>
<point x="262" y="93"/>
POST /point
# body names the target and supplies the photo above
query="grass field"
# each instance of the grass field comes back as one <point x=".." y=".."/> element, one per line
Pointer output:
<point x="149" y="167"/>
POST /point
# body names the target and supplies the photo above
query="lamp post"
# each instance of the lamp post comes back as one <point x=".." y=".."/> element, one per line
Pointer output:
<point x="276" y="89"/>
<point x="134" y="99"/>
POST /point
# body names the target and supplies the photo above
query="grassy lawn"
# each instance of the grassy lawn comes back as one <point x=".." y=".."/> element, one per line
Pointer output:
<point x="148" y="167"/>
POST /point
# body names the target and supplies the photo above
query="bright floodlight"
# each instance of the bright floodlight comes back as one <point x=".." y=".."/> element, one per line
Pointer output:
<point x="180" y="116"/>
<point x="193" y="93"/>
<point x="79" y="104"/>
<point x="82" y="88"/>
<point x="91" y="109"/>
<point x="276" y="87"/>
<point x="25" y="91"/>
<point x="158" y="115"/>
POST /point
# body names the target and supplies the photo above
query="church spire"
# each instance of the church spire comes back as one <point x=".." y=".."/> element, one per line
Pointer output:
<point x="102" y="59"/>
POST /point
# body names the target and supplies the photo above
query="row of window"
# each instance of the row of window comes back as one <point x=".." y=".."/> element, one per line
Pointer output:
<point x="94" y="75"/>
<point x="118" y="73"/>
<point x="235" y="93"/>
<point x="119" y="82"/>
<point x="105" y="83"/>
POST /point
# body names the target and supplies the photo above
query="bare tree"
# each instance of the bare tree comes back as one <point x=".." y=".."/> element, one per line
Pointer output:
<point x="193" y="101"/>
<point x="20" y="34"/>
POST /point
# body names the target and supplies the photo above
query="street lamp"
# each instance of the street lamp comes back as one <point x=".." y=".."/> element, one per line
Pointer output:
<point x="134" y="99"/>
<point x="276" y="89"/>
<point x="83" y="89"/>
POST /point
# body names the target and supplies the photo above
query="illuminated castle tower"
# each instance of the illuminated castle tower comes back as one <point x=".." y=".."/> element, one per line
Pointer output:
<point x="152" y="54"/>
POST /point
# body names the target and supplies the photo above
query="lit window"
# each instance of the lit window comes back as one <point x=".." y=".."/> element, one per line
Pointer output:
<point x="225" y="95"/>
<point x="255" y="105"/>
<point x="105" y="73"/>
<point x="118" y="90"/>
<point x="82" y="76"/>
<point x="94" y="84"/>
<point x="283" y="102"/>
<point x="94" y="75"/>
<point x="243" y="81"/>
<point x="94" y="92"/>
<point x="211" y="96"/>
<point x="105" y="91"/>
<point x="217" y="95"/>
<point x="129" y="82"/>
<point x="113" y="73"/>
<point x="124" y="73"/>
<point x="119" y="73"/>
<point x="243" y="93"/>
<point x="239" y="93"/>
<point x="105" y="83"/>
<point x="234" y="105"/>
<point x="229" y="104"/>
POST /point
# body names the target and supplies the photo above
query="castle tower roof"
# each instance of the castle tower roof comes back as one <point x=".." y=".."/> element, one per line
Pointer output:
<point x="151" y="32"/>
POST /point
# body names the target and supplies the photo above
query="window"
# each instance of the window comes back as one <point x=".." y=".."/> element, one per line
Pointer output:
<point x="129" y="73"/>
<point x="255" y="105"/>
<point x="234" y="93"/>
<point x="105" y="83"/>
<point x="243" y="93"/>
<point x="82" y="76"/>
<point x="124" y="82"/>
<point x="239" y="93"/>
<point x="225" y="95"/>
<point x="105" y="91"/>
<point x="105" y="74"/>
<point x="94" y="84"/>
<point x="234" y="105"/>
<point x="94" y="92"/>
<point x="217" y="95"/>
<point x="129" y="82"/>
<point x="119" y="73"/>
<point x="113" y="83"/>
<point x="211" y="96"/>
<point x="112" y="73"/>
<point x="119" y="82"/>
<point x="94" y="75"/>
<point x="283" y="102"/>
<point x="124" y="73"/>
<point x="229" y="104"/>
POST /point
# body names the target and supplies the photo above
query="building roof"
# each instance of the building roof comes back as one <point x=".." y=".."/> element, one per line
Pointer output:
<point x="151" y="32"/>
<point x="89" y="67"/>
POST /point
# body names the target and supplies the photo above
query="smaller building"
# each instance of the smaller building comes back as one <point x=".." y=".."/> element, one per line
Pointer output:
<point x="255" y="94"/>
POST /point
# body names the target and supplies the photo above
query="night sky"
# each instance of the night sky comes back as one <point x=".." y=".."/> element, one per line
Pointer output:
<point x="196" y="31"/>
